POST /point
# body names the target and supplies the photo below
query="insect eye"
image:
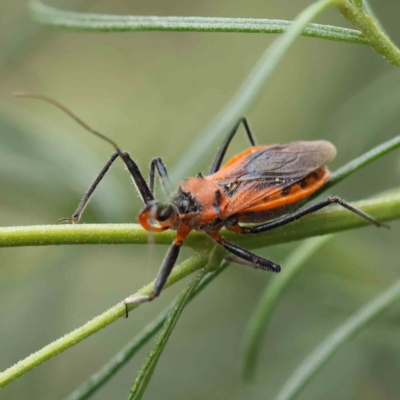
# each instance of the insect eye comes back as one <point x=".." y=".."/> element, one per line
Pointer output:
<point x="165" y="213"/>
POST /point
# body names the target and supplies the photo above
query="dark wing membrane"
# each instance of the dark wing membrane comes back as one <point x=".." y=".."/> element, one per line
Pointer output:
<point x="291" y="161"/>
<point x="268" y="170"/>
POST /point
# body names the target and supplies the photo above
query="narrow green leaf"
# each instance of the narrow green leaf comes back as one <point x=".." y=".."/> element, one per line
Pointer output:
<point x="250" y="90"/>
<point x="332" y="344"/>
<point x="117" y="23"/>
<point x="143" y="378"/>
<point x="362" y="161"/>
<point x="261" y="317"/>
<point x="108" y="370"/>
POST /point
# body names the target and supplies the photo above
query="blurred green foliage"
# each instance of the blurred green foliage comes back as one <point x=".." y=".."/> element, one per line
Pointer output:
<point x="152" y="93"/>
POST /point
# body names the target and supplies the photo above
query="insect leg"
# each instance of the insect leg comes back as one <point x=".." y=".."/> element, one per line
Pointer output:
<point x="133" y="169"/>
<point x="255" y="261"/>
<point x="221" y="153"/>
<point x="76" y="216"/>
<point x="162" y="172"/>
<point x="308" y="210"/>
<point x="164" y="273"/>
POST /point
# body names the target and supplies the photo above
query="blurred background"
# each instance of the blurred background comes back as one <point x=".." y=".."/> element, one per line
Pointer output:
<point x="153" y="93"/>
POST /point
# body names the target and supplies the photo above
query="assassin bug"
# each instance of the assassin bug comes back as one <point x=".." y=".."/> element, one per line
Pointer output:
<point x="263" y="185"/>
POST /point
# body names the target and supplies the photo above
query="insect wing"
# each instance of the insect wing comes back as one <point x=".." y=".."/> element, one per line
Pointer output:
<point x="252" y="176"/>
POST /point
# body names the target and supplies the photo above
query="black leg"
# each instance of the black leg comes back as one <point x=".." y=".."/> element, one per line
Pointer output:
<point x="157" y="163"/>
<point x="76" y="216"/>
<point x="308" y="210"/>
<point x="221" y="153"/>
<point x="164" y="273"/>
<point x="137" y="177"/>
<point x="254" y="260"/>
<point x="145" y="193"/>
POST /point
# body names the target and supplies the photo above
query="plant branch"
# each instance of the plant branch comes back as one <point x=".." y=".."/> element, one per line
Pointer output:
<point x="379" y="41"/>
<point x="329" y="220"/>
<point x="120" y="23"/>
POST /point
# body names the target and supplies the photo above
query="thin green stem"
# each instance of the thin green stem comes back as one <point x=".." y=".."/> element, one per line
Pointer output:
<point x="379" y="41"/>
<point x="261" y="317"/>
<point x="118" y="23"/>
<point x="360" y="162"/>
<point x="144" y="376"/>
<point x="329" y="220"/>
<point x="108" y="370"/>
<point x="332" y="344"/>
<point x="194" y="263"/>
<point x="372" y="14"/>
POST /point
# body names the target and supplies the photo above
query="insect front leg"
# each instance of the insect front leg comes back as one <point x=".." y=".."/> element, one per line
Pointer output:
<point x="76" y="216"/>
<point x="221" y="153"/>
<point x="161" y="280"/>
<point x="309" y="210"/>
<point x="254" y="260"/>
<point x="135" y="173"/>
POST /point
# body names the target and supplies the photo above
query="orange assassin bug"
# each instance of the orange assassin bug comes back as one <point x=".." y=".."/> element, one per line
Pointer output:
<point x="262" y="185"/>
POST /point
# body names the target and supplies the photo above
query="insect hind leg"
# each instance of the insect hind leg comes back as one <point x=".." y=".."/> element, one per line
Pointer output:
<point x="254" y="261"/>
<point x="309" y="210"/>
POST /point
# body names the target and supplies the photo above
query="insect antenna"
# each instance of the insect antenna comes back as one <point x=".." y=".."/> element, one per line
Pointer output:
<point x="69" y="113"/>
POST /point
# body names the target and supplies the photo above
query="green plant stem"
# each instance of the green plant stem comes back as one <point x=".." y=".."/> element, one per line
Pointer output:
<point x="119" y="23"/>
<point x="381" y="43"/>
<point x="194" y="263"/>
<point x="330" y="220"/>
<point x="261" y="316"/>
<point x="331" y="345"/>
<point x="108" y="370"/>
<point x="144" y="376"/>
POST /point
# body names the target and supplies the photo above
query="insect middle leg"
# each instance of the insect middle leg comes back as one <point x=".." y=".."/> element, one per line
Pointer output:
<point x="221" y="153"/>
<point x="305" y="211"/>
<point x="161" y="280"/>
<point x="157" y="164"/>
